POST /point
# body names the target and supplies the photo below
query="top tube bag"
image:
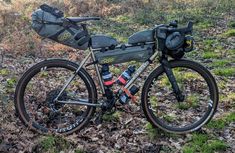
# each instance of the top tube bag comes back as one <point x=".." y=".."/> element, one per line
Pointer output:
<point x="50" y="23"/>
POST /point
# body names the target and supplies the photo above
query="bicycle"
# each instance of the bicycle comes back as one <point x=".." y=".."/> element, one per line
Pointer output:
<point x="179" y="96"/>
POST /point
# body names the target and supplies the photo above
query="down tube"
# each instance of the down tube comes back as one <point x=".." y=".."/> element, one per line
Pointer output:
<point x="140" y="70"/>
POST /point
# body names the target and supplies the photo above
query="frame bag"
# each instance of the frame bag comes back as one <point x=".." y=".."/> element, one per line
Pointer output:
<point x="50" y="23"/>
<point x="124" y="54"/>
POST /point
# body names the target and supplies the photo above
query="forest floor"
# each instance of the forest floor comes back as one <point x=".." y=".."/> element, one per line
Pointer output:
<point x="129" y="131"/>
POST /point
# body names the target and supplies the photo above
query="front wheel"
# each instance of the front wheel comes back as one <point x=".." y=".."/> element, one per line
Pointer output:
<point x="162" y="108"/>
<point x="40" y="85"/>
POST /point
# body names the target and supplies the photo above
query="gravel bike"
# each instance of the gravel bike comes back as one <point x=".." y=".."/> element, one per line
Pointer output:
<point x="60" y="96"/>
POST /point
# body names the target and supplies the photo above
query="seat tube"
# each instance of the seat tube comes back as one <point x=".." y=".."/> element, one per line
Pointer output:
<point x="97" y="72"/>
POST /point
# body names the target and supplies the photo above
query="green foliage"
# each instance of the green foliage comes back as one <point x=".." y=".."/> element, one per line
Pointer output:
<point x="216" y="124"/>
<point x="221" y="84"/>
<point x="183" y="106"/>
<point x="222" y="122"/>
<point x="122" y="19"/>
<point x="165" y="82"/>
<point x="230" y="97"/>
<point x="229" y="33"/>
<point x="143" y="17"/>
<point x="79" y="151"/>
<point x="115" y="70"/>
<point x="188" y="149"/>
<point x="111" y="117"/>
<point x="208" y="55"/>
<point x="190" y="101"/>
<point x="169" y="118"/>
<point x="208" y="43"/>
<point x="154" y="100"/>
<point x="190" y="75"/>
<point x="231" y="117"/>
<point x="216" y="145"/>
<point x="220" y="63"/>
<point x="4" y="72"/>
<point x="229" y="71"/>
<point x="204" y="25"/>
<point x="193" y="100"/>
<point x="48" y="143"/>
<point x="11" y="82"/>
<point x="231" y="24"/>
<point x="54" y="144"/>
<point x="43" y="74"/>
<point x="203" y="143"/>
<point x="152" y="131"/>
<point x="231" y="51"/>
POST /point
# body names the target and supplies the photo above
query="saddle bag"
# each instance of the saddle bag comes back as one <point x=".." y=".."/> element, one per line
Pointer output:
<point x="50" y="23"/>
<point x="124" y="53"/>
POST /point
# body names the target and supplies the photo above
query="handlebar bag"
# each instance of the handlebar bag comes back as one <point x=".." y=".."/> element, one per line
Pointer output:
<point x="174" y="44"/>
<point x="50" y="23"/>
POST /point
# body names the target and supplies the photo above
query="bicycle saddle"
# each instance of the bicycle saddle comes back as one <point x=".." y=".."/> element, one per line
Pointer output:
<point x="81" y="19"/>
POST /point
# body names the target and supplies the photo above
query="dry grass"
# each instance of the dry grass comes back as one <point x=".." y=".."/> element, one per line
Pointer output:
<point x="17" y="37"/>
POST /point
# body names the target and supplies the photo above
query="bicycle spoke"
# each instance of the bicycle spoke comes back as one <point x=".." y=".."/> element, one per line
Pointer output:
<point x="168" y="109"/>
<point x="40" y="98"/>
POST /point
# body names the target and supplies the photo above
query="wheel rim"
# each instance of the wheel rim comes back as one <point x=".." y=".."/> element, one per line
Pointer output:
<point x="42" y="88"/>
<point x="180" y="116"/>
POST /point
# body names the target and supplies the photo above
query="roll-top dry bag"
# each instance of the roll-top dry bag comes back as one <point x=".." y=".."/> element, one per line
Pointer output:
<point x="50" y="23"/>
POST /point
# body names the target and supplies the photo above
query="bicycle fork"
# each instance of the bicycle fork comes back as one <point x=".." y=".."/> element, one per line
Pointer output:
<point x="178" y="94"/>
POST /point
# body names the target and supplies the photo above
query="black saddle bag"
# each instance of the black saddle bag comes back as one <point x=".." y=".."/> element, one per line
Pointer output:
<point x="49" y="22"/>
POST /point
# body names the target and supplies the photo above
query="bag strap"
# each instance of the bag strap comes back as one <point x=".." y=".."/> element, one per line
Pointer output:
<point x="81" y="34"/>
<point x="55" y="11"/>
<point x="54" y="37"/>
<point x="83" y="40"/>
<point x="42" y="21"/>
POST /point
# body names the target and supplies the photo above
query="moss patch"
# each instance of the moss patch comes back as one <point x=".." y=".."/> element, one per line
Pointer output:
<point x="208" y="55"/>
<point x="54" y="144"/>
<point x="222" y="122"/>
<point x="231" y="24"/>
<point x="220" y="63"/>
<point x="229" y="33"/>
<point x="111" y="117"/>
<point x="225" y="71"/>
<point x="152" y="131"/>
<point x="204" y="143"/>
<point x="4" y="72"/>
<point x="79" y="151"/>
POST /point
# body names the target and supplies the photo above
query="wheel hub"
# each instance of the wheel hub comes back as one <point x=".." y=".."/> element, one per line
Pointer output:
<point x="52" y="104"/>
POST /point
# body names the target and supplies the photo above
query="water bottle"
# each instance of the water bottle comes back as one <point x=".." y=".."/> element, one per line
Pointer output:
<point x="125" y="97"/>
<point x="126" y="75"/>
<point x="106" y="76"/>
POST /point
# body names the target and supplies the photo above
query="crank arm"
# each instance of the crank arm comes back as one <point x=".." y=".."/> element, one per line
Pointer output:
<point x="79" y="103"/>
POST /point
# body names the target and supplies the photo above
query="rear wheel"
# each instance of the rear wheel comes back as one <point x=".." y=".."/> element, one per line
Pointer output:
<point x="39" y="86"/>
<point x="201" y="97"/>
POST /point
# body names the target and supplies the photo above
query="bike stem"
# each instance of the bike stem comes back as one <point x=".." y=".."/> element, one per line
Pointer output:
<point x="170" y="75"/>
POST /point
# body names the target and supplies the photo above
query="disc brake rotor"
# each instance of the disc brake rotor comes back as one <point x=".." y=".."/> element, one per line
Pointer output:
<point x="53" y="105"/>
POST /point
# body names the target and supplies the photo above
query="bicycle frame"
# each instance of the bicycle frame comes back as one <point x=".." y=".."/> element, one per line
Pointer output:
<point x="91" y="54"/>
